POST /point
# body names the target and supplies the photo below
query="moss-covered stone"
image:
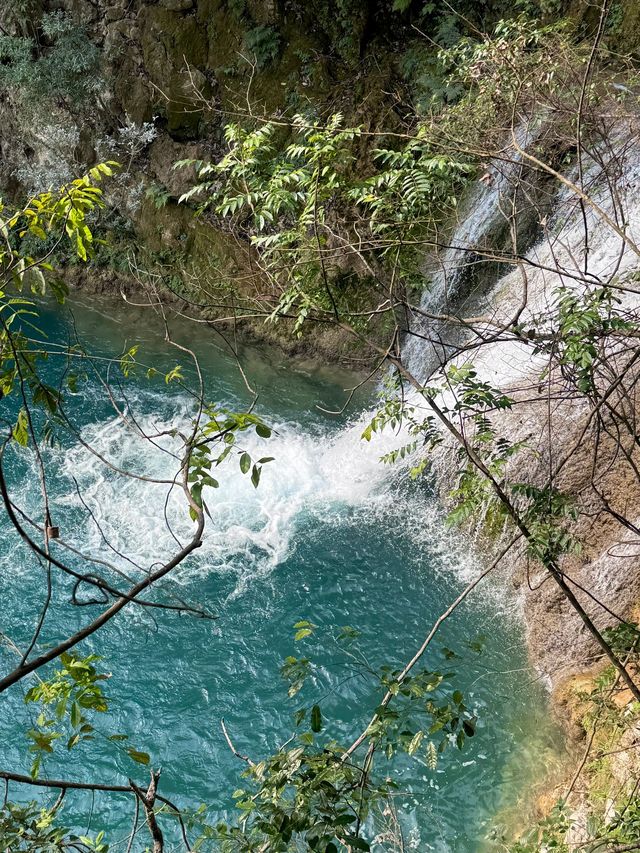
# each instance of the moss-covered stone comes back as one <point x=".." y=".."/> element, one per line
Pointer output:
<point x="175" y="49"/>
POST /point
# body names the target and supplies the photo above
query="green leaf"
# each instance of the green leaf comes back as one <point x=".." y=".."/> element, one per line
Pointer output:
<point x="245" y="463"/>
<point x="356" y="843"/>
<point x="139" y="757"/>
<point x="263" y="431"/>
<point x="416" y="740"/>
<point x="316" y="719"/>
<point x="432" y="756"/>
<point x="255" y="476"/>
<point x="20" y="430"/>
<point x="76" y="715"/>
<point x="174" y="375"/>
<point x="469" y="726"/>
<point x="35" y="767"/>
<point x="345" y="819"/>
<point x="348" y="633"/>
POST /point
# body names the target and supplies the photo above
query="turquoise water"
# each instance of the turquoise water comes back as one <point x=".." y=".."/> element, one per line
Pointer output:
<point x="331" y="535"/>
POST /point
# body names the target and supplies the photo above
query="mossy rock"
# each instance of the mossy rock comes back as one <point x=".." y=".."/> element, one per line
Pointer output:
<point x="622" y="30"/>
<point x="175" y="49"/>
<point x="188" y="244"/>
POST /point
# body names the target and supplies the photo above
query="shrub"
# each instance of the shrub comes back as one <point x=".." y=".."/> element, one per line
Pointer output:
<point x="68" y="68"/>
<point x="264" y="42"/>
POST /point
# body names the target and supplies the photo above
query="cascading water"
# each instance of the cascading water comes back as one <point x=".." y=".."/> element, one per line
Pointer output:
<point x="558" y="259"/>
<point x="484" y="214"/>
<point x="330" y="535"/>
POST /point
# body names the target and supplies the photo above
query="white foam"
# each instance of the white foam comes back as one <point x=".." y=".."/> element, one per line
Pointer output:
<point x="507" y="363"/>
<point x="316" y="471"/>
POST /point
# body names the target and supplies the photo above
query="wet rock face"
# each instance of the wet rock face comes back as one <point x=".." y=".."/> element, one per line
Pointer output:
<point x="178" y="5"/>
<point x="160" y="63"/>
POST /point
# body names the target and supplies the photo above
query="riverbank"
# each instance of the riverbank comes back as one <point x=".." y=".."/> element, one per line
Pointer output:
<point x="319" y="344"/>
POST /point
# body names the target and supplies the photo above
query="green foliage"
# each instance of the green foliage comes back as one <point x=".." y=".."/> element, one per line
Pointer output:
<point x="615" y="19"/>
<point x="393" y="412"/>
<point x="623" y="638"/>
<point x="238" y="8"/>
<point x="624" y="826"/>
<point x="64" y="701"/>
<point x="522" y="59"/>
<point x="300" y="797"/>
<point x="63" y="213"/>
<point x="214" y="439"/>
<point x="264" y="43"/>
<point x="287" y="200"/>
<point x="222" y="426"/>
<point x="304" y="629"/>
<point x="68" y="209"/>
<point x="69" y="67"/>
<point x="546" y="512"/>
<point x="427" y="84"/>
<point x="474" y="495"/>
<point x="295" y="671"/>
<point x="410" y="185"/>
<point x="584" y="321"/>
<point x="311" y="794"/>
<point x="514" y="47"/>
<point x="28" y="828"/>
<point x="159" y="195"/>
<point x="283" y="200"/>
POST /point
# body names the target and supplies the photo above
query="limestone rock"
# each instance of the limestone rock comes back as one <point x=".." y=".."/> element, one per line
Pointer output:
<point x="163" y="154"/>
<point x="177" y="5"/>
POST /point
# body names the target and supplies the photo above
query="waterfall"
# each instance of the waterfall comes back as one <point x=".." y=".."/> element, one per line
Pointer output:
<point x="482" y="216"/>
<point x="554" y="259"/>
<point x="320" y="469"/>
<point x="557" y="260"/>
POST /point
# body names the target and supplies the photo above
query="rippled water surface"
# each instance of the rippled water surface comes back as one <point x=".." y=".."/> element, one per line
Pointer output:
<point x="330" y="535"/>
